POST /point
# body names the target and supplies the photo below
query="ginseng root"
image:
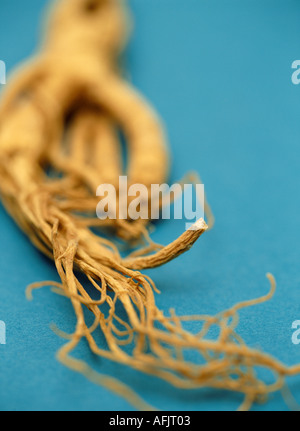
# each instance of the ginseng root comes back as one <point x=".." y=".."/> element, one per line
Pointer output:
<point x="59" y="139"/>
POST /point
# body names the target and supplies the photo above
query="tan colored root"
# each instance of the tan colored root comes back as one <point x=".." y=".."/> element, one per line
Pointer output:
<point x="63" y="115"/>
<point x="227" y="362"/>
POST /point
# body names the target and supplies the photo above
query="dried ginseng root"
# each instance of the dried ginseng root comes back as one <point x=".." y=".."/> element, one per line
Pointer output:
<point x="58" y="140"/>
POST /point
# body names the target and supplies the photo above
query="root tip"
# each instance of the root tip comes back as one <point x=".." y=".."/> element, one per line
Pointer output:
<point x="199" y="225"/>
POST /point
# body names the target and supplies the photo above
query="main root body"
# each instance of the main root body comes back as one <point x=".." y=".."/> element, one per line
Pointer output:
<point x="59" y="139"/>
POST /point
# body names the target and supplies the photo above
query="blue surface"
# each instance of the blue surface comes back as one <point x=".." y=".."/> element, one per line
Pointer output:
<point x="219" y="73"/>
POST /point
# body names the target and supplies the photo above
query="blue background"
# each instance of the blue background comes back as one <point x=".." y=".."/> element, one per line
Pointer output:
<point x="219" y="74"/>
